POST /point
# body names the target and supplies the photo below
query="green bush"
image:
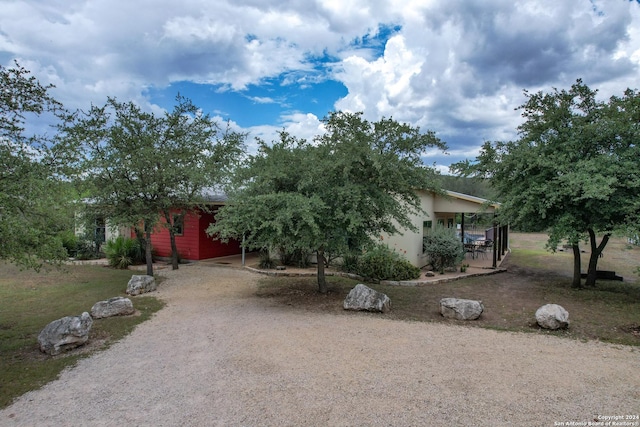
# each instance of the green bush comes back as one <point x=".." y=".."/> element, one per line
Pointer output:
<point x="266" y="261"/>
<point x="69" y="242"/>
<point x="444" y="248"/>
<point x="87" y="249"/>
<point x="123" y="252"/>
<point x="382" y="263"/>
<point x="350" y="262"/>
<point x="295" y="257"/>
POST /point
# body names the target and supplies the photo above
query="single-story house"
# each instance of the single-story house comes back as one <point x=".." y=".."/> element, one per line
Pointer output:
<point x="442" y="210"/>
<point x="195" y="244"/>
<point x="192" y="241"/>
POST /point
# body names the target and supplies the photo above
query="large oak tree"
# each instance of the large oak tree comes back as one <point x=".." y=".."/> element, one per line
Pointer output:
<point x="142" y="168"/>
<point x="574" y="171"/>
<point x="351" y="183"/>
<point x="35" y="196"/>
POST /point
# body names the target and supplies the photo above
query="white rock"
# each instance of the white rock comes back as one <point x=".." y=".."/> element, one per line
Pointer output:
<point x="117" y="306"/>
<point x="552" y="316"/>
<point x="65" y="334"/>
<point x="461" y="309"/>
<point x="364" y="298"/>
<point x="140" y="284"/>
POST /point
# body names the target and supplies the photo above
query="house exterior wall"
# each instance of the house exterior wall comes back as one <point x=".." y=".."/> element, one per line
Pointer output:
<point x="409" y="243"/>
<point x="193" y="243"/>
<point x="456" y="205"/>
<point x="187" y="242"/>
<point x="210" y="247"/>
<point x="102" y="227"/>
<point x="112" y="232"/>
<point x="438" y="209"/>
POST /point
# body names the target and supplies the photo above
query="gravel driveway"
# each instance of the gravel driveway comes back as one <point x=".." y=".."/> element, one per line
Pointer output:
<point x="218" y="356"/>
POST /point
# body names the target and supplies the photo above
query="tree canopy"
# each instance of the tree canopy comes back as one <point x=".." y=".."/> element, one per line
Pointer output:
<point x="574" y="171"/>
<point x="35" y="200"/>
<point x="351" y="183"/>
<point x="141" y="167"/>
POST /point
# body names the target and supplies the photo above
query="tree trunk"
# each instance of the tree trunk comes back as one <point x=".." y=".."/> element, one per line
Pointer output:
<point x="148" y="254"/>
<point x="596" y="251"/>
<point x="322" y="281"/>
<point x="172" y="239"/>
<point x="577" y="280"/>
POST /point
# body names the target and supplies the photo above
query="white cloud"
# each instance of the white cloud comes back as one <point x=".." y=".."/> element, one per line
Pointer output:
<point x="456" y="67"/>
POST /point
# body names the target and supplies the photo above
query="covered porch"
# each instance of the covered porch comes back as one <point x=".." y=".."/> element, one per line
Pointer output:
<point x="485" y="240"/>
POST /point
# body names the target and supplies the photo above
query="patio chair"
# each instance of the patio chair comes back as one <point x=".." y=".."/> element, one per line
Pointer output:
<point x="470" y="248"/>
<point x="485" y="247"/>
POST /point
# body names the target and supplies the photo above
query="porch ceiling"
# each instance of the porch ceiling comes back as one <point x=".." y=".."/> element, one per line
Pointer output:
<point x="462" y="203"/>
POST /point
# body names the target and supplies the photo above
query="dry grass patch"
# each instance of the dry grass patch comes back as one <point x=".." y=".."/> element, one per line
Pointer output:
<point x="535" y="277"/>
<point x="29" y="301"/>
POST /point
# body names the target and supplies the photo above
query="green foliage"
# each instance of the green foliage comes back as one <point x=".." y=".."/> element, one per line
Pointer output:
<point x="296" y="258"/>
<point x="69" y="242"/>
<point x="123" y="252"/>
<point x="574" y="171"/>
<point x="472" y="186"/>
<point x="350" y="262"/>
<point x="87" y="249"/>
<point x="144" y="167"/>
<point x="356" y="180"/>
<point x="266" y="261"/>
<point x="35" y="201"/>
<point x="29" y="301"/>
<point x="382" y="263"/>
<point x="444" y="248"/>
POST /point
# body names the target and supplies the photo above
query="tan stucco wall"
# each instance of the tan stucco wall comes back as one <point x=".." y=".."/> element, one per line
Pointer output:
<point x="409" y="243"/>
<point x="456" y="205"/>
<point x="112" y="231"/>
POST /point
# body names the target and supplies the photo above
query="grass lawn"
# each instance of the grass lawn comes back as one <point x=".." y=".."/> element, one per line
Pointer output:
<point x="610" y="312"/>
<point x="30" y="300"/>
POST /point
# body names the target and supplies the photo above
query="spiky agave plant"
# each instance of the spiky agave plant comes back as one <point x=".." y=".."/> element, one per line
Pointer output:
<point x="122" y="252"/>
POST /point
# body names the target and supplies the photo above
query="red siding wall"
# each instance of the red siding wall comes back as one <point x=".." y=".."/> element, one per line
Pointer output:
<point x="210" y="248"/>
<point x="194" y="243"/>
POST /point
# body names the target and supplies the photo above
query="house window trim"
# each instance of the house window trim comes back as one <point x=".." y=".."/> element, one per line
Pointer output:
<point x="178" y="225"/>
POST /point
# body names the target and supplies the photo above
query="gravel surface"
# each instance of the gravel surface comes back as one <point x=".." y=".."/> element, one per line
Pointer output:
<point x="219" y="356"/>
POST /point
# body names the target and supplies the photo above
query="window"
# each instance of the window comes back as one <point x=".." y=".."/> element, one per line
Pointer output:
<point x="100" y="231"/>
<point x="178" y="225"/>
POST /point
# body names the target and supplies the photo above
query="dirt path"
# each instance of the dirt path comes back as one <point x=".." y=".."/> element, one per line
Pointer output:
<point x="218" y="356"/>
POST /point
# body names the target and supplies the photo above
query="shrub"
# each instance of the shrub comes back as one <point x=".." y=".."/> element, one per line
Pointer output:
<point x="444" y="248"/>
<point x="382" y="263"/>
<point x="265" y="259"/>
<point x="123" y="252"/>
<point x="350" y="262"/>
<point x="87" y="249"/>
<point x="295" y="258"/>
<point x="69" y="242"/>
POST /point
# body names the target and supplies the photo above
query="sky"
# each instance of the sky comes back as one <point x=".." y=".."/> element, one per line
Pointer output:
<point x="456" y="67"/>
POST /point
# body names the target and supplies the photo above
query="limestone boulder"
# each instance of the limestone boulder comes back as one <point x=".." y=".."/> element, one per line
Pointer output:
<point x="363" y="298"/>
<point x="552" y="316"/>
<point x="461" y="309"/>
<point x="140" y="284"/>
<point x="117" y="306"/>
<point x="65" y="334"/>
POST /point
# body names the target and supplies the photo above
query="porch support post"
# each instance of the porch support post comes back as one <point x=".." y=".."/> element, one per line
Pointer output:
<point x="499" y="243"/>
<point x="495" y="245"/>
<point x="507" y="239"/>
<point x="504" y="239"/>
<point x="462" y="228"/>
<point x="243" y="250"/>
